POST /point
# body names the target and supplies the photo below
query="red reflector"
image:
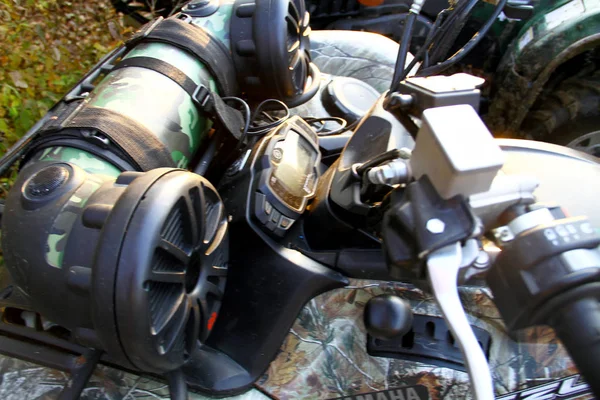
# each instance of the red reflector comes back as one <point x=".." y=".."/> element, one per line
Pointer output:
<point x="211" y="321"/>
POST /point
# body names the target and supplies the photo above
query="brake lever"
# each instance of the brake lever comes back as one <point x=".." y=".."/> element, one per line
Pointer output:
<point x="443" y="267"/>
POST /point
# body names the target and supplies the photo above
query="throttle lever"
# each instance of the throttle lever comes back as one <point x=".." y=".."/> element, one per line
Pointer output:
<point x="443" y="266"/>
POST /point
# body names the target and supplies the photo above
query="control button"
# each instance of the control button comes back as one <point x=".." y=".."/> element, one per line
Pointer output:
<point x="275" y="217"/>
<point x="268" y="208"/>
<point x="285" y="222"/>
<point x="274" y="220"/>
<point x="277" y="154"/>
<point x="259" y="208"/>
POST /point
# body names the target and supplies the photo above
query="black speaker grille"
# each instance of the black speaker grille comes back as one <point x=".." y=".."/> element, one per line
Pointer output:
<point x="174" y="228"/>
<point x="47" y="181"/>
<point x="164" y="262"/>
<point x="164" y="298"/>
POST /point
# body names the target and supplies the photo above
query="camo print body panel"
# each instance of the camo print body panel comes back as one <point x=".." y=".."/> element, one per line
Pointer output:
<point x="65" y="219"/>
<point x="325" y="354"/>
<point x="218" y="23"/>
<point x="157" y="102"/>
<point x="324" y="357"/>
<point x="86" y="161"/>
<point x="23" y="380"/>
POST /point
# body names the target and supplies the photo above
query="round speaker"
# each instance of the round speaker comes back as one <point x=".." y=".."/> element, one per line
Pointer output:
<point x="162" y="262"/>
<point x="271" y="50"/>
<point x="135" y="266"/>
<point x="47" y="181"/>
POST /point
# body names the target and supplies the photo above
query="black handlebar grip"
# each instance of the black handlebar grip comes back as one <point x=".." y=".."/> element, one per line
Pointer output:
<point x="577" y="325"/>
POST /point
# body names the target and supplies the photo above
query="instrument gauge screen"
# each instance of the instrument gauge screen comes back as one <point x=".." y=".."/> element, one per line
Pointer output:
<point x="293" y="161"/>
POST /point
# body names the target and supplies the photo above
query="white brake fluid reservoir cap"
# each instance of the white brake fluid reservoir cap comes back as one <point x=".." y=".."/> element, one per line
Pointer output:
<point x="456" y="151"/>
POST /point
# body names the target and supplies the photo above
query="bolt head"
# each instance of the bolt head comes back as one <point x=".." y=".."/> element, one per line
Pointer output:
<point x="435" y="226"/>
<point x="503" y="234"/>
<point x="386" y="173"/>
<point x="483" y="260"/>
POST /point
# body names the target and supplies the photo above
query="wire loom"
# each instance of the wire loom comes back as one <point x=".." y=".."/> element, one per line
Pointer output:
<point x="253" y="128"/>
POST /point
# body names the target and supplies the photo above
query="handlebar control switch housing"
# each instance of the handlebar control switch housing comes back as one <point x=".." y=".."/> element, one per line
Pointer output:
<point x="542" y="264"/>
<point x="549" y="274"/>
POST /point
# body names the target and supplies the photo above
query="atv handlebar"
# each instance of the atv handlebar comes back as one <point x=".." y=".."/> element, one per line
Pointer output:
<point x="577" y="325"/>
<point x="548" y="273"/>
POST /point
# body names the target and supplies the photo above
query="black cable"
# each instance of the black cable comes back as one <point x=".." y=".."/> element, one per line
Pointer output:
<point x="320" y="129"/>
<point x="268" y="116"/>
<point x="344" y="127"/>
<point x="440" y="19"/>
<point x="341" y="121"/>
<point x="246" y="108"/>
<point x="378" y="160"/>
<point x="403" y="51"/>
<point x="451" y="30"/>
<point x="341" y="130"/>
<point x="444" y="20"/>
<point x="263" y="129"/>
<point x="451" y="16"/>
<point x="278" y="105"/>
<point x="207" y="158"/>
<point x="463" y="51"/>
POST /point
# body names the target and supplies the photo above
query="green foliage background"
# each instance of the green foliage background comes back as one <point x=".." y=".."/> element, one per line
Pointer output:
<point x="45" y="48"/>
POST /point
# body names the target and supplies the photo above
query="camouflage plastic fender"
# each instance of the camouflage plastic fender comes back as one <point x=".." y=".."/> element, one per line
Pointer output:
<point x="325" y="357"/>
<point x="547" y="41"/>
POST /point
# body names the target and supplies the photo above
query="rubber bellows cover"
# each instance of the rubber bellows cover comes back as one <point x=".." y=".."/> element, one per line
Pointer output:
<point x="161" y="265"/>
<point x="271" y="48"/>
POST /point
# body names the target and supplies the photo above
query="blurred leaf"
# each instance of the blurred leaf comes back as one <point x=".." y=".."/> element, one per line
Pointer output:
<point x="3" y="126"/>
<point x="17" y="79"/>
<point x="45" y="47"/>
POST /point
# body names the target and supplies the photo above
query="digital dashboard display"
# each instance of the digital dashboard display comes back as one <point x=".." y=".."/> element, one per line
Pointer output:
<point x="293" y="175"/>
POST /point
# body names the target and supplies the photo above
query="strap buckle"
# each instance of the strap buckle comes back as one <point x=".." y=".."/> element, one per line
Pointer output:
<point x="201" y="96"/>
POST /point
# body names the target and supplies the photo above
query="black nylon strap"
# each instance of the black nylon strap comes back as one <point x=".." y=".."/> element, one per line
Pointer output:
<point x="204" y="99"/>
<point x="196" y="41"/>
<point x="132" y="138"/>
<point x="199" y="93"/>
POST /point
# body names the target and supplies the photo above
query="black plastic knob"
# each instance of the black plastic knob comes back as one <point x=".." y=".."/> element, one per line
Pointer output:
<point x="387" y="316"/>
